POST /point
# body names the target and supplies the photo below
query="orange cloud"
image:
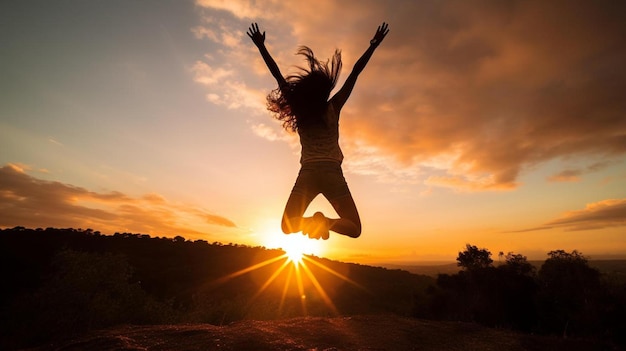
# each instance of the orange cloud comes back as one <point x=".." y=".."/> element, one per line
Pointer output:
<point x="597" y="215"/>
<point x="218" y="220"/>
<point x="463" y="183"/>
<point x="501" y="86"/>
<point x="573" y="175"/>
<point x="568" y="175"/>
<point x="32" y="202"/>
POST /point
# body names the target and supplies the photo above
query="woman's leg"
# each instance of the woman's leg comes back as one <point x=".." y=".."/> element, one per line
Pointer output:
<point x="349" y="222"/>
<point x="293" y="221"/>
<point x="301" y="196"/>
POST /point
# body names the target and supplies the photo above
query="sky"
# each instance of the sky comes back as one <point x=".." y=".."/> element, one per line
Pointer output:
<point x="501" y="124"/>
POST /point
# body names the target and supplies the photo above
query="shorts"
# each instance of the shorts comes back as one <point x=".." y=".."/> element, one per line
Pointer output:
<point x="323" y="177"/>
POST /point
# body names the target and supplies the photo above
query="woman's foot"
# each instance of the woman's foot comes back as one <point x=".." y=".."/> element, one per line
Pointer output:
<point x="321" y="225"/>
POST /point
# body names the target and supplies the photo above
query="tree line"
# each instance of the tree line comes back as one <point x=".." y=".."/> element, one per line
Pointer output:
<point x="60" y="283"/>
<point x="565" y="296"/>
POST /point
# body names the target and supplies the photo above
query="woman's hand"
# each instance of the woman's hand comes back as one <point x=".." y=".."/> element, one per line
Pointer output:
<point x="381" y="32"/>
<point x="259" y="40"/>
<point x="256" y="36"/>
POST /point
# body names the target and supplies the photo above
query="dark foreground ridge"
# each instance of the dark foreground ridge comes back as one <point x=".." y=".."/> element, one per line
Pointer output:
<point x="317" y="333"/>
<point x="81" y="290"/>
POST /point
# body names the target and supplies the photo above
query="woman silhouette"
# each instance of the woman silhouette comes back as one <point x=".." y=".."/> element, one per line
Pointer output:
<point x="301" y="103"/>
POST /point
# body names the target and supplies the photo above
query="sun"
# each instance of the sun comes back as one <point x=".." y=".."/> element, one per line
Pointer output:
<point x="297" y="269"/>
<point x="294" y="252"/>
<point x="295" y="245"/>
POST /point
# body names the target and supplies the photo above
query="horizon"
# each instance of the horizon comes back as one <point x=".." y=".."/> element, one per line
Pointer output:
<point x="500" y="125"/>
<point x="387" y="264"/>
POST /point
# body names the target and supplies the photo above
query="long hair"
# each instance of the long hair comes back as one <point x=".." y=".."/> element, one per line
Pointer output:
<point x="302" y="101"/>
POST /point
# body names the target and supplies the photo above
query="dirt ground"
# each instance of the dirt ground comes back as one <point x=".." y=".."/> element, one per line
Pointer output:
<point x="309" y="333"/>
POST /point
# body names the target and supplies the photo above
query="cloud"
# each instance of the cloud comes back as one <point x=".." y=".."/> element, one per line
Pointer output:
<point x="55" y="142"/>
<point x="241" y="9"/>
<point x="465" y="183"/>
<point x="495" y="88"/>
<point x="220" y="71"/>
<point x="567" y="175"/>
<point x="596" y="215"/>
<point x="266" y="132"/>
<point x="219" y="220"/>
<point x="32" y="202"/>
<point x="207" y="75"/>
<point x="573" y="175"/>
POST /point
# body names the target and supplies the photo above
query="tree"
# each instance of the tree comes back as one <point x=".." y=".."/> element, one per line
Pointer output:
<point x="518" y="264"/>
<point x="570" y="293"/>
<point x="569" y="271"/>
<point x="517" y="289"/>
<point x="474" y="258"/>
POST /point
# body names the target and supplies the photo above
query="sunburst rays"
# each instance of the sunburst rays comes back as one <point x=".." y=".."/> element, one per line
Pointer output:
<point x="299" y="275"/>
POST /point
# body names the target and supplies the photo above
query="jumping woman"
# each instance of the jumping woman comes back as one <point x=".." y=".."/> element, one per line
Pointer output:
<point x="301" y="102"/>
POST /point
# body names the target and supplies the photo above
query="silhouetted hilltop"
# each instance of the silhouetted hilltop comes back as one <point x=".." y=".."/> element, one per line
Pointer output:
<point x="60" y="282"/>
<point x="177" y="269"/>
<point x="80" y="285"/>
<point x="613" y="267"/>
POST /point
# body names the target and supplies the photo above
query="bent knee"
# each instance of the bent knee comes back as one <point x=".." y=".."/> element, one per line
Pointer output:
<point x="285" y="228"/>
<point x="358" y="229"/>
<point x="288" y="226"/>
<point x="355" y="231"/>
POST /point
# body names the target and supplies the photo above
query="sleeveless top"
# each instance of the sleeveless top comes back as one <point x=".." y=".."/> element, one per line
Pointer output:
<point x="321" y="143"/>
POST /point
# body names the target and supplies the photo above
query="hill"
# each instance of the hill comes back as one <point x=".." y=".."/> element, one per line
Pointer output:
<point x="612" y="267"/>
<point x="386" y="332"/>
<point x="60" y="283"/>
<point x="431" y="270"/>
<point x="82" y="286"/>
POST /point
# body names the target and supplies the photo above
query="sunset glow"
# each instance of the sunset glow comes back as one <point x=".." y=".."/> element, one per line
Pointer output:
<point x="295" y="254"/>
<point x="294" y="245"/>
<point x="293" y="274"/>
<point x="499" y="124"/>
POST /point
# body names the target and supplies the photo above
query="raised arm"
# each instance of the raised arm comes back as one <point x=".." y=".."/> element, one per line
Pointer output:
<point x="340" y="98"/>
<point x="259" y="40"/>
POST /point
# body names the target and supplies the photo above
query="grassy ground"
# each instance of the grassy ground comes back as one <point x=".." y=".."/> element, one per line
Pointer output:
<point x="338" y="333"/>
